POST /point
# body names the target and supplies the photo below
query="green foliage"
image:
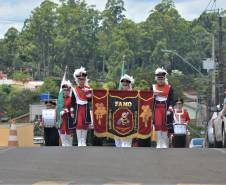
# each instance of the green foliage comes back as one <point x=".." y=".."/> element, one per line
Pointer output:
<point x="109" y="85"/>
<point x="74" y="34"/>
<point x="20" y="76"/>
<point x="21" y="101"/>
<point x="51" y="85"/>
<point x="6" y="89"/>
<point x="16" y="102"/>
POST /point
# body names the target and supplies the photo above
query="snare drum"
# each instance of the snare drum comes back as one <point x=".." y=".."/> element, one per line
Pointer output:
<point x="180" y="129"/>
<point x="49" y="118"/>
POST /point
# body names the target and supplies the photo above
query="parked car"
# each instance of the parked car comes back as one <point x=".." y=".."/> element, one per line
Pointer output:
<point x="38" y="140"/>
<point x="210" y="132"/>
<point x="219" y="129"/>
<point x="197" y="143"/>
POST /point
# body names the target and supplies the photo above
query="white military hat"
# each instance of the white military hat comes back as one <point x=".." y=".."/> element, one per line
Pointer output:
<point x="127" y="77"/>
<point x="80" y="72"/>
<point x="160" y="72"/>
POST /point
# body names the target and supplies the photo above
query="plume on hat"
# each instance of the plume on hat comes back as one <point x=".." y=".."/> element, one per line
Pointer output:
<point x="79" y="71"/>
<point x="127" y="77"/>
<point x="160" y="70"/>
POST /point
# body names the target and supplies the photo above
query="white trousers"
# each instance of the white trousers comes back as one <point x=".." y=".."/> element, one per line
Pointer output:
<point x="123" y="142"/>
<point x="81" y="137"/>
<point x="66" y="140"/>
<point x="162" y="139"/>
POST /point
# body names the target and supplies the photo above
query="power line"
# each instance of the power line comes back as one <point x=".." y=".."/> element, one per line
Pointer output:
<point x="207" y="7"/>
<point x="2" y="19"/>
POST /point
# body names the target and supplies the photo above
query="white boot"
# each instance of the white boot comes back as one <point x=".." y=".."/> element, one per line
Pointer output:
<point x="66" y="140"/>
<point x="118" y="142"/>
<point x="127" y="143"/>
<point x="165" y="140"/>
<point x="62" y="138"/>
<point x="159" y="139"/>
<point x="79" y="137"/>
<point x="84" y="136"/>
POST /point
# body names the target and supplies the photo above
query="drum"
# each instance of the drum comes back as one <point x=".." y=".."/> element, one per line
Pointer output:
<point x="49" y="118"/>
<point x="180" y="129"/>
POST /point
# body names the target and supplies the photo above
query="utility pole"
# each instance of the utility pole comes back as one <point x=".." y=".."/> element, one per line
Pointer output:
<point x="220" y="79"/>
<point x="213" y="96"/>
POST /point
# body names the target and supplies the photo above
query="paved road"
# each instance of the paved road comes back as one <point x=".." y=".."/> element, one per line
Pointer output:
<point x="111" y="166"/>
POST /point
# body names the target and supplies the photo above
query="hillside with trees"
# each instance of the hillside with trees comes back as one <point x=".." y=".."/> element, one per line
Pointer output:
<point x="75" y="34"/>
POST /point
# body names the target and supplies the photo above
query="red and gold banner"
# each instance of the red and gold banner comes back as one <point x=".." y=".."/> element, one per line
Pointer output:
<point x="122" y="113"/>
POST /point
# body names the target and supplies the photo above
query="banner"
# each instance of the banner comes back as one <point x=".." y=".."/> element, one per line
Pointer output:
<point x="124" y="114"/>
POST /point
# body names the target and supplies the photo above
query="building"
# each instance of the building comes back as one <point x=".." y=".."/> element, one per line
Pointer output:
<point x="35" y="111"/>
<point x="3" y="76"/>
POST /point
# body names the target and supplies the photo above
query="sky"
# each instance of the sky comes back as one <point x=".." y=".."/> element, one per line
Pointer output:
<point x="14" y="12"/>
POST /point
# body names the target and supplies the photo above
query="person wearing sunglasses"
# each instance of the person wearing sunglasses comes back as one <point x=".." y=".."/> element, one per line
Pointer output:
<point x="48" y="121"/>
<point x="63" y="124"/>
<point x="126" y="82"/>
<point x="163" y="103"/>
<point x="83" y="95"/>
<point x="181" y="116"/>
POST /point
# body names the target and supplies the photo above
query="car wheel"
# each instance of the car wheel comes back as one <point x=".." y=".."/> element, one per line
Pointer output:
<point x="224" y="138"/>
<point x="217" y="144"/>
<point x="210" y="145"/>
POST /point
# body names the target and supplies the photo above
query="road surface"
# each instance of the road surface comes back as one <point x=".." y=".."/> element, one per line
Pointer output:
<point x="112" y="166"/>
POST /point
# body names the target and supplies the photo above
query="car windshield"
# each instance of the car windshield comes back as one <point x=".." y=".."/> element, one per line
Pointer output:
<point x="198" y="142"/>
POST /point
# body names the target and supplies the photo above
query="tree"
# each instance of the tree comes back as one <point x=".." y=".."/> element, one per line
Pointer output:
<point x="113" y="13"/>
<point x="38" y="37"/>
<point x="76" y="35"/>
<point x="8" y="48"/>
<point x="20" y="76"/>
<point x="51" y="85"/>
<point x="21" y="101"/>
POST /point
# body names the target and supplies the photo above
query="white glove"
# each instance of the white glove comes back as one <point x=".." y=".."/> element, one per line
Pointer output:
<point x="86" y="89"/>
<point x="89" y="95"/>
<point x="91" y="126"/>
<point x="168" y="112"/>
<point x="62" y="113"/>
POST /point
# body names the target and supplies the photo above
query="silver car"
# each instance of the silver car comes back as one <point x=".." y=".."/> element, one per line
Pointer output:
<point x="210" y="132"/>
<point x="219" y="128"/>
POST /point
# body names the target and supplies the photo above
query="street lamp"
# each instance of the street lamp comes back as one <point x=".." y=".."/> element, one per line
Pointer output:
<point x="185" y="61"/>
<point x="199" y="107"/>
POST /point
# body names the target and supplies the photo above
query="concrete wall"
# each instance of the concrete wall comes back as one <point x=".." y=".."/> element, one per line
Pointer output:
<point x="24" y="135"/>
<point x="4" y="135"/>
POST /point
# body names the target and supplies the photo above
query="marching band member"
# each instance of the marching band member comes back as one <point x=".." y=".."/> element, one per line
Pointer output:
<point x="126" y="85"/>
<point x="63" y="124"/>
<point x="163" y="104"/>
<point x="181" y="116"/>
<point x="48" y="121"/>
<point x="83" y="94"/>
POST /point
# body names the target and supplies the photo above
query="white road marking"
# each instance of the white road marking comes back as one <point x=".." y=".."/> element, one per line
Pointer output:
<point x="196" y="184"/>
<point x="3" y="150"/>
<point x="121" y="183"/>
<point x="51" y="183"/>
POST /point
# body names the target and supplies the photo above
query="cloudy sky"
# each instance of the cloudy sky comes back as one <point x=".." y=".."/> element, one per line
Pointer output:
<point x="14" y="12"/>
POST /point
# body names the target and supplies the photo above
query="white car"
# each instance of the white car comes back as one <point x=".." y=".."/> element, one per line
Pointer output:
<point x="219" y="129"/>
<point x="210" y="132"/>
<point x="197" y="143"/>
